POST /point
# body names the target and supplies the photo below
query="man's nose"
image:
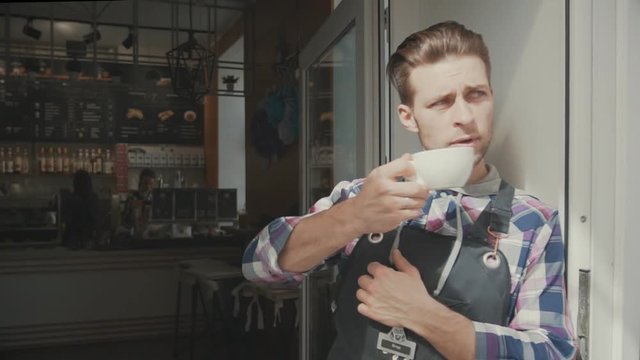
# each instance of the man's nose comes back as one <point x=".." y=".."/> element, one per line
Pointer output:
<point x="462" y="114"/>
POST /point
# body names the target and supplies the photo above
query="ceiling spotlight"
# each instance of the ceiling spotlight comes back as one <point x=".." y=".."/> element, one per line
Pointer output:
<point x="92" y="36"/>
<point x="30" y="31"/>
<point x="128" y="42"/>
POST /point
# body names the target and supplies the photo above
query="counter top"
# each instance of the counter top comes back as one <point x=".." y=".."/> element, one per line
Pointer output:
<point x="62" y="259"/>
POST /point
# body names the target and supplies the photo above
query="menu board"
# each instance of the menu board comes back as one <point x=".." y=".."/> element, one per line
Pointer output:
<point x="15" y="111"/>
<point x="93" y="112"/>
<point x="149" y="118"/>
<point x="73" y="113"/>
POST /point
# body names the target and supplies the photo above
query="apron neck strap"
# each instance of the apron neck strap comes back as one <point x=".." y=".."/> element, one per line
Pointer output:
<point x="497" y="215"/>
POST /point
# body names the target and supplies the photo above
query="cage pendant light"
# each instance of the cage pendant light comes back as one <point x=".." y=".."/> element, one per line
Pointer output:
<point x="191" y="67"/>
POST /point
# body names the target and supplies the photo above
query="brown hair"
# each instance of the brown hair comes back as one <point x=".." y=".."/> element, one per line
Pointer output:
<point x="429" y="46"/>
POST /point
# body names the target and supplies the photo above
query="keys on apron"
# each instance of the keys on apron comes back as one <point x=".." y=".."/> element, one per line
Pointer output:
<point x="395" y="342"/>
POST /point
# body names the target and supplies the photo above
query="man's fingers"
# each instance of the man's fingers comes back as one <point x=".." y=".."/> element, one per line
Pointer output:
<point x="362" y="296"/>
<point x="376" y="269"/>
<point x="409" y="189"/>
<point x="409" y="203"/>
<point x="402" y="264"/>
<point x="398" y="167"/>
<point x="365" y="282"/>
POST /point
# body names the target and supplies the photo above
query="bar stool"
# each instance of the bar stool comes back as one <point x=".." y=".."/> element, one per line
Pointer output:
<point x="267" y="319"/>
<point x="201" y="274"/>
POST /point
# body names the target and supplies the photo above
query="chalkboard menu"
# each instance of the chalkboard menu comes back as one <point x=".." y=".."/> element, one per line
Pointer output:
<point x="15" y="111"/>
<point x="93" y="112"/>
<point x="73" y="113"/>
<point x="150" y="118"/>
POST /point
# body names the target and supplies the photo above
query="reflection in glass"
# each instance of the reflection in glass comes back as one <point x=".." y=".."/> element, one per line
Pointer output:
<point x="332" y="118"/>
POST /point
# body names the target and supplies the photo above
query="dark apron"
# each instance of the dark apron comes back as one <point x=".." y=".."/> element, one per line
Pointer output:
<point x="473" y="289"/>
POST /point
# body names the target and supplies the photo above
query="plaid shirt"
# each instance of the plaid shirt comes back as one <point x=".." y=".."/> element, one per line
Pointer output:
<point x="540" y="326"/>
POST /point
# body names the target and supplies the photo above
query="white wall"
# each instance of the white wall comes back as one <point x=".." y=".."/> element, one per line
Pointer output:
<point x="526" y="44"/>
<point x="231" y="120"/>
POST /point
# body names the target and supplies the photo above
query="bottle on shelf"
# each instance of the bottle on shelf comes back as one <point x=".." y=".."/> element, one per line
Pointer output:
<point x="26" y="159"/>
<point x="8" y="167"/>
<point x="66" y="169"/>
<point x="87" y="166"/>
<point x="3" y="164"/>
<point x="17" y="161"/>
<point x="98" y="167"/>
<point x="92" y="159"/>
<point x="58" y="161"/>
<point x="50" y="161"/>
<point x="79" y="160"/>
<point x="108" y="163"/>
<point x="42" y="161"/>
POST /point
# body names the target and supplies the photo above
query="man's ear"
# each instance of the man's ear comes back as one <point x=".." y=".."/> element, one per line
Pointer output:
<point x="405" y="114"/>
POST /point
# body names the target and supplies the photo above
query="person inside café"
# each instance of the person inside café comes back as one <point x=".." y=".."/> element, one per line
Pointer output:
<point x="137" y="209"/>
<point x="81" y="213"/>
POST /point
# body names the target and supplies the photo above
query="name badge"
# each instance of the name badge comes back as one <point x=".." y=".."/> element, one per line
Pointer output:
<point x="395" y="342"/>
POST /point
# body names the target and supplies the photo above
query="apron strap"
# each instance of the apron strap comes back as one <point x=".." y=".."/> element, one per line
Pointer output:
<point x="497" y="215"/>
<point x="501" y="211"/>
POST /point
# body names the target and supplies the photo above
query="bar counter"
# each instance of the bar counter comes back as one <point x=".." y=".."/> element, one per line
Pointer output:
<point x="52" y="296"/>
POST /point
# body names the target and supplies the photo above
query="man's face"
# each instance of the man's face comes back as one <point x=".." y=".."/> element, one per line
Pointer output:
<point x="452" y="105"/>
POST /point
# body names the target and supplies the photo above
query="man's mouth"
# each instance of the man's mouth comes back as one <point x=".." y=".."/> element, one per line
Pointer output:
<point x="464" y="141"/>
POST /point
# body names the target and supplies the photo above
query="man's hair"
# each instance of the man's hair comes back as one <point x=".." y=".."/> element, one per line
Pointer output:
<point x="146" y="173"/>
<point x="429" y="46"/>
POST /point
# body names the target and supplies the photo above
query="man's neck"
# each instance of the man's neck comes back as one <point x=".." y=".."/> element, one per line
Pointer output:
<point x="480" y="170"/>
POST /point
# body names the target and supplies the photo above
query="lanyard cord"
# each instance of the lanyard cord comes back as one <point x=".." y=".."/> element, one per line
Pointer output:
<point x="453" y="255"/>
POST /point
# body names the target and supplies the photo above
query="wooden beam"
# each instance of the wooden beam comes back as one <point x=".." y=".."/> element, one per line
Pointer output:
<point x="235" y="32"/>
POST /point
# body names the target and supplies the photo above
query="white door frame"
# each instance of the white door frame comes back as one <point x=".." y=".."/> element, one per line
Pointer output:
<point x="602" y="191"/>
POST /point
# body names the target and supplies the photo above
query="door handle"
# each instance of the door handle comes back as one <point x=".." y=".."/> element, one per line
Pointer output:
<point x="584" y="292"/>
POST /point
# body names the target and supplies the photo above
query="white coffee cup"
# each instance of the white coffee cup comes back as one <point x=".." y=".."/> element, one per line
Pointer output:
<point x="443" y="168"/>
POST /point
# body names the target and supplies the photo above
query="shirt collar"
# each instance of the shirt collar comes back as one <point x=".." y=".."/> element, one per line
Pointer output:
<point x="488" y="185"/>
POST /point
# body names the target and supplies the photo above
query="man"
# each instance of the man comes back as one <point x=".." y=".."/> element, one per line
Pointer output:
<point x="138" y="205"/>
<point x="81" y="213"/>
<point x="442" y="76"/>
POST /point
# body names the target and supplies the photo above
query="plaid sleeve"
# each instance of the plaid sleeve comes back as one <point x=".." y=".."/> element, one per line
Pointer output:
<point x="541" y="327"/>
<point x="260" y="259"/>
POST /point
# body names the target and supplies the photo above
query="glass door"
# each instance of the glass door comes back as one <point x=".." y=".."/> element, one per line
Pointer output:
<point x="331" y="100"/>
<point x="341" y="132"/>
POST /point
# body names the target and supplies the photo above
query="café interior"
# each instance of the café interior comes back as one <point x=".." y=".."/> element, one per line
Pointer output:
<point x="145" y="143"/>
<point x="157" y="105"/>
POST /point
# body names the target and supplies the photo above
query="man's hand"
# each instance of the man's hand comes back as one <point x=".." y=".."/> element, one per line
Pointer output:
<point x="400" y="299"/>
<point x="385" y="202"/>
<point x="392" y="297"/>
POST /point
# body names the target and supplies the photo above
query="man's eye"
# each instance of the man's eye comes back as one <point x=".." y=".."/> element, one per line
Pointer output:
<point x="438" y="103"/>
<point x="476" y="94"/>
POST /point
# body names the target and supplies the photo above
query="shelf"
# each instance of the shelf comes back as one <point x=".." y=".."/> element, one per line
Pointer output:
<point x="54" y="175"/>
<point x="165" y="167"/>
<point x="26" y="228"/>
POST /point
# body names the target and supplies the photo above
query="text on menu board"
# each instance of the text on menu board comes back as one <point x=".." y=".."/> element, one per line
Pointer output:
<point x="167" y="119"/>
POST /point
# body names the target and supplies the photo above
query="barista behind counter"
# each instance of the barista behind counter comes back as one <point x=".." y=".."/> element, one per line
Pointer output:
<point x="137" y="209"/>
<point x="82" y="217"/>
